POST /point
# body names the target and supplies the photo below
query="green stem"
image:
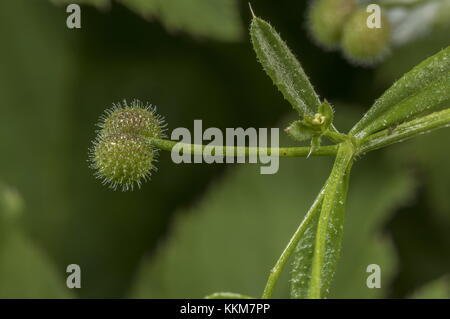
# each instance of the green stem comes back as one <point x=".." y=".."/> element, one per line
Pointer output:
<point x="404" y="131"/>
<point x="335" y="135"/>
<point x="290" y="248"/>
<point x="194" y="149"/>
<point x="405" y="4"/>
<point x="341" y="167"/>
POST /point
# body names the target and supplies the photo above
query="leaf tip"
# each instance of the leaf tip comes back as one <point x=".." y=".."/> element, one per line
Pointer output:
<point x="251" y="10"/>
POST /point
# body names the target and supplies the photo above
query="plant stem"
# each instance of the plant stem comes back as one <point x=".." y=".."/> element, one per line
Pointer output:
<point x="194" y="149"/>
<point x="335" y="185"/>
<point x="404" y="131"/>
<point x="335" y="135"/>
<point x="405" y="4"/>
<point x="290" y="248"/>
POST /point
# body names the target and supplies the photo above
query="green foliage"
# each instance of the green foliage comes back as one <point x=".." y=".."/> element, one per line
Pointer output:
<point x="438" y="289"/>
<point x="299" y="131"/>
<point x="72" y="74"/>
<point x="406" y="130"/>
<point x="421" y="90"/>
<point x="365" y="239"/>
<point x="215" y="19"/>
<point x="229" y="240"/>
<point x="312" y="126"/>
<point x="49" y="106"/>
<point x="25" y="270"/>
<point x="318" y="238"/>
<point x="319" y="248"/>
<point x="283" y="68"/>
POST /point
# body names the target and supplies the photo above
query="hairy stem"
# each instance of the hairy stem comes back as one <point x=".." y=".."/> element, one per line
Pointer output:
<point x="290" y="248"/>
<point x="341" y="167"/>
<point x="405" y="130"/>
<point x="346" y="151"/>
<point x="195" y="149"/>
<point x="335" y="135"/>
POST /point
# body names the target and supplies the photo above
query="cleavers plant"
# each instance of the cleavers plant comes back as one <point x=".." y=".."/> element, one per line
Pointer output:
<point x="129" y="136"/>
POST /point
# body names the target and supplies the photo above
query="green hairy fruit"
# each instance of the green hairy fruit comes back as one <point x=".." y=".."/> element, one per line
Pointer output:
<point x="122" y="153"/>
<point x="327" y="19"/>
<point x="125" y="148"/>
<point x="363" y="45"/>
<point x="135" y="119"/>
<point x="123" y="159"/>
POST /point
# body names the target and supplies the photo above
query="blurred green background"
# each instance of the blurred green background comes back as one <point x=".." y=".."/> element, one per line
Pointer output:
<point x="197" y="229"/>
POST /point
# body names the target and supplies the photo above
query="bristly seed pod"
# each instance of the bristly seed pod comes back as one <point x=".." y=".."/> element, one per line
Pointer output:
<point x="122" y="153"/>
<point x="363" y="45"/>
<point x="135" y="118"/>
<point x="123" y="159"/>
<point x="326" y="20"/>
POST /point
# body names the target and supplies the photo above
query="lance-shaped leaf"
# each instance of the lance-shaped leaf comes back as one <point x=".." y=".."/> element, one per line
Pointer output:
<point x="283" y="68"/>
<point x="423" y="88"/>
<point x="430" y="98"/>
<point x="318" y="251"/>
<point x="406" y="130"/>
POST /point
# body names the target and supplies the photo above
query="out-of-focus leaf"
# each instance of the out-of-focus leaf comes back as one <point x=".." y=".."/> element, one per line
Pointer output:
<point x="424" y="254"/>
<point x="25" y="271"/>
<point x="34" y="82"/>
<point x="97" y="3"/>
<point x="55" y="82"/>
<point x="424" y="88"/>
<point x="283" y="68"/>
<point x="233" y="237"/>
<point x="437" y="289"/>
<point x="427" y="154"/>
<point x="214" y="19"/>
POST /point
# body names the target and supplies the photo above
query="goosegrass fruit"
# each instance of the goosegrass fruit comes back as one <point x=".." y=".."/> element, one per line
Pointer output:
<point x="123" y="160"/>
<point x="122" y="154"/>
<point x="135" y="118"/>
<point x="363" y="45"/>
<point x="326" y="19"/>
